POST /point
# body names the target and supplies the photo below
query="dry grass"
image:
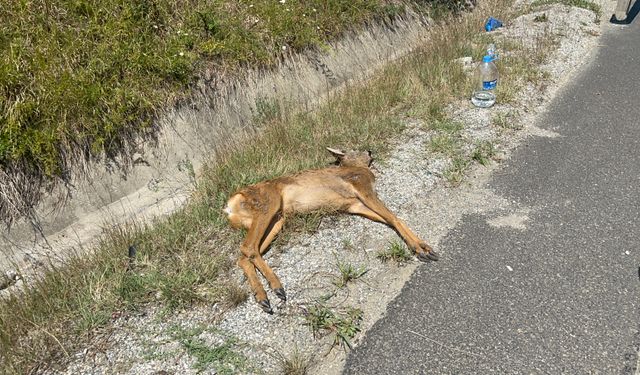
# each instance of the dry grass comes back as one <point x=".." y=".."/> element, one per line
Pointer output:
<point x="295" y="364"/>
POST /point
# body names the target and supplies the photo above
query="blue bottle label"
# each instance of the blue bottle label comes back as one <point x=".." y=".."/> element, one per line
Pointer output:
<point x="489" y="85"/>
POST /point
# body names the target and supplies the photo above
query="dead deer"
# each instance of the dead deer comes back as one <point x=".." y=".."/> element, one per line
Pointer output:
<point x="263" y="207"/>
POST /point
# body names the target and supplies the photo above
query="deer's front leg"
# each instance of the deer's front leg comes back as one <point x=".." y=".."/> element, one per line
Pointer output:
<point x="371" y="207"/>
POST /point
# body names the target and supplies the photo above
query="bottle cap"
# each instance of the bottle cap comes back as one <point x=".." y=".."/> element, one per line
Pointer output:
<point x="487" y="59"/>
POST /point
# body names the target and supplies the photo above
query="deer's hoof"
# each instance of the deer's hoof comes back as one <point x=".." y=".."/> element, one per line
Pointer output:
<point x="281" y="294"/>
<point x="426" y="257"/>
<point x="266" y="306"/>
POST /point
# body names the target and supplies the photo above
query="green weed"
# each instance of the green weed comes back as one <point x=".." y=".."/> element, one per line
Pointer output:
<point x="223" y="358"/>
<point x="447" y="140"/>
<point x="541" y="18"/>
<point x="348" y="273"/>
<point x="344" y="325"/>
<point x="455" y="173"/>
<point x="483" y="152"/>
<point x="505" y="120"/>
<point x="396" y="252"/>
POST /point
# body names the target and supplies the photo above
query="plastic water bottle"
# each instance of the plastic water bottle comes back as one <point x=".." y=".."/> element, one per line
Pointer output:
<point x="486" y="81"/>
<point x="492" y="52"/>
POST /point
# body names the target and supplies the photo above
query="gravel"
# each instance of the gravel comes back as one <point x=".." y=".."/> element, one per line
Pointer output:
<point x="412" y="186"/>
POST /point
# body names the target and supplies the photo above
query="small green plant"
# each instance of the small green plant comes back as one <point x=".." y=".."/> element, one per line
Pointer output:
<point x="305" y="223"/>
<point x="396" y="252"/>
<point x="348" y="273"/>
<point x="308" y="223"/>
<point x="504" y="120"/>
<point x="444" y="144"/>
<point x="186" y="166"/>
<point x="447" y="126"/>
<point x="348" y="245"/>
<point x="343" y="324"/>
<point x="541" y="18"/>
<point x="152" y="351"/>
<point x="483" y="152"/>
<point x="455" y="173"/>
<point x="447" y="140"/>
<point x="223" y="358"/>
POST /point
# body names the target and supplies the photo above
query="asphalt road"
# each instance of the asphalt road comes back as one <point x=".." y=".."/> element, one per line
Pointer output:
<point x="562" y="295"/>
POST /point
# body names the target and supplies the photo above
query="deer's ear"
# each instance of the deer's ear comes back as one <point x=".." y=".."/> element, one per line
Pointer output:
<point x="335" y="152"/>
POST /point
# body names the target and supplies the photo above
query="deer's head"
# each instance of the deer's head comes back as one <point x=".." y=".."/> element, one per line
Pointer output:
<point x="351" y="158"/>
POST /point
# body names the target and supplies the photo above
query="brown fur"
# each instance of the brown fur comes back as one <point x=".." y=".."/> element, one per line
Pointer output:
<point x="347" y="187"/>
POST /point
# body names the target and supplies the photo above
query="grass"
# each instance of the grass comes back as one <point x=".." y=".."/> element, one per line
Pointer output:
<point x="223" y="358"/>
<point x="455" y="173"/>
<point x="445" y="144"/>
<point x="520" y="69"/>
<point x="343" y="324"/>
<point x="172" y="268"/>
<point x="185" y="259"/>
<point x="296" y="364"/>
<point x="348" y="273"/>
<point x="395" y="251"/>
<point x="447" y="139"/>
<point x="484" y="152"/>
<point x="541" y="18"/>
<point x="504" y="120"/>
<point x="307" y="223"/>
<point x="348" y="245"/>
<point x="585" y="4"/>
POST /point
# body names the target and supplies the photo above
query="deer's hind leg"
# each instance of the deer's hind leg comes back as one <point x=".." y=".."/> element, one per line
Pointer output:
<point x="276" y="227"/>
<point x="275" y="284"/>
<point x="254" y="282"/>
<point x="251" y="258"/>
